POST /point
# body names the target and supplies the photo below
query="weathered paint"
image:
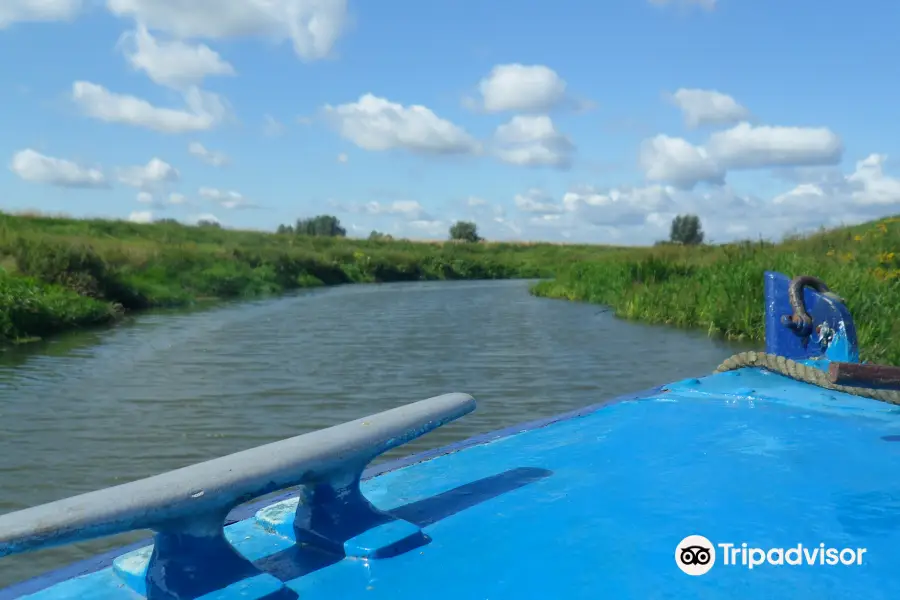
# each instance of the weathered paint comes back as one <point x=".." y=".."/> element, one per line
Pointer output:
<point x="833" y="335"/>
<point x="595" y="505"/>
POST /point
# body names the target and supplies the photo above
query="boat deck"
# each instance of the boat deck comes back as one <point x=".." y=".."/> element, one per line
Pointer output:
<point x="594" y="505"/>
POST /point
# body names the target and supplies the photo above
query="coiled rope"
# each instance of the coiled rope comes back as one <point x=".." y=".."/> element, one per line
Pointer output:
<point x="801" y="321"/>
<point x="801" y="372"/>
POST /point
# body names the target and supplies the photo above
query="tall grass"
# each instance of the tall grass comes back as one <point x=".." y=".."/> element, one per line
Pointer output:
<point x="720" y="288"/>
<point x="59" y="273"/>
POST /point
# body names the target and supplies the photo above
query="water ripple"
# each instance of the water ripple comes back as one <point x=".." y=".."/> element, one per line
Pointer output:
<point x="163" y="391"/>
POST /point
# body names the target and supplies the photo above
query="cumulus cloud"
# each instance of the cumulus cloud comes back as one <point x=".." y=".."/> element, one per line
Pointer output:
<point x="523" y="88"/>
<point x="744" y="146"/>
<point x="748" y="147"/>
<point x="679" y="162"/>
<point x="708" y="107"/>
<point x="342" y="158"/>
<point x="216" y="159"/>
<point x="154" y="173"/>
<point x="204" y="110"/>
<point x="621" y="206"/>
<point x="533" y="141"/>
<point x="226" y="199"/>
<point x="35" y="167"/>
<point x="866" y="192"/>
<point x="537" y="201"/>
<point x="16" y="11"/>
<point x="642" y="215"/>
<point x="172" y="63"/>
<point x="313" y="26"/>
<point x="377" y="124"/>
<point x="409" y="209"/>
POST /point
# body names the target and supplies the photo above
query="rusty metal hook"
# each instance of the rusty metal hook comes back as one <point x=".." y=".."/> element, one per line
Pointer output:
<point x="800" y="317"/>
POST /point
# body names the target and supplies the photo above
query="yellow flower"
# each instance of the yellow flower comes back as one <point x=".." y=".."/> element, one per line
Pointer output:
<point x="858" y="238"/>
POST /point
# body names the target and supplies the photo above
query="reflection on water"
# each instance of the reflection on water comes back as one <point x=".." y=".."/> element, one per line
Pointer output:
<point x="95" y="409"/>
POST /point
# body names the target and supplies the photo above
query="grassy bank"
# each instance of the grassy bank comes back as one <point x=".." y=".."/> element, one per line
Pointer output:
<point x="720" y="288"/>
<point x="57" y="274"/>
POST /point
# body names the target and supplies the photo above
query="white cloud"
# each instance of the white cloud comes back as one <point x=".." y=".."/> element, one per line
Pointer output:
<point x="272" y="127"/>
<point x="204" y="109"/>
<point x="226" y="199"/>
<point x="587" y="207"/>
<point x="872" y="186"/>
<point x="533" y="141"/>
<point x="748" y="147"/>
<point x="681" y="163"/>
<point x="155" y="172"/>
<point x="524" y="88"/>
<point x="342" y="158"/>
<point x="141" y="216"/>
<point x="313" y="26"/>
<point x="643" y="215"/>
<point x="537" y="201"/>
<point x="708" y="107"/>
<point x="177" y="199"/>
<point x="474" y="201"/>
<point x="216" y="159"/>
<point x="172" y="63"/>
<point x="409" y="209"/>
<point x="16" y="11"/>
<point x="374" y="123"/>
<point x="32" y="166"/>
<point x="865" y="193"/>
<point x="145" y="197"/>
<point x="622" y="206"/>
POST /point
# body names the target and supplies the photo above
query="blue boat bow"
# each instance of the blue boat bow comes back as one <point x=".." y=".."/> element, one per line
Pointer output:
<point x="788" y="452"/>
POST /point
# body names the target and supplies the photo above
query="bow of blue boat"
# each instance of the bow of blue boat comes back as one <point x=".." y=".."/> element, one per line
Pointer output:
<point x="595" y="503"/>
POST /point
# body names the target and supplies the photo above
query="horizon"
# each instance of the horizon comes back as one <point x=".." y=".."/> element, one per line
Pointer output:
<point x="764" y="119"/>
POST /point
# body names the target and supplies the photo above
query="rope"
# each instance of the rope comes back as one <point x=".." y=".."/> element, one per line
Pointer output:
<point x="801" y="372"/>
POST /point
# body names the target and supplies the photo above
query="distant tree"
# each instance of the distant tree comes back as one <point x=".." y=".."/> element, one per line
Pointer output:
<point x="282" y="229"/>
<point x="168" y="221"/>
<point x="323" y="225"/>
<point x="465" y="231"/>
<point x="378" y="236"/>
<point x="209" y="223"/>
<point x="686" y="230"/>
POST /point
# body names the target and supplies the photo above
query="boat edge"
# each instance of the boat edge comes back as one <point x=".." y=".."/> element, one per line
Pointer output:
<point x="103" y="560"/>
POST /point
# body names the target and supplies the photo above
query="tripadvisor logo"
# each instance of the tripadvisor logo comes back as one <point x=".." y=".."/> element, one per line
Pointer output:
<point x="696" y="555"/>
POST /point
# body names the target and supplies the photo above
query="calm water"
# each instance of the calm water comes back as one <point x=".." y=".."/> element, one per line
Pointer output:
<point x="163" y="391"/>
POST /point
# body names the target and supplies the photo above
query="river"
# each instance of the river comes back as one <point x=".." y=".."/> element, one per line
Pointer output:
<point x="161" y="391"/>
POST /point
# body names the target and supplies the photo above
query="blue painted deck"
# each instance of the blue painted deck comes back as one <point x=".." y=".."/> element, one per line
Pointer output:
<point x="594" y="505"/>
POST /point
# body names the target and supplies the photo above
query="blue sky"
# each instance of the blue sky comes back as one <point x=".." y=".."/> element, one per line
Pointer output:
<point x="572" y="120"/>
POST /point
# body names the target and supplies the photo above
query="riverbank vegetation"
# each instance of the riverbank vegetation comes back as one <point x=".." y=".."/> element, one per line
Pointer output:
<point x="57" y="274"/>
<point x="720" y="288"/>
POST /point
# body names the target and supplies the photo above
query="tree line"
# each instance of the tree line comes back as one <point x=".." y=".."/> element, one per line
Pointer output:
<point x="685" y="230"/>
